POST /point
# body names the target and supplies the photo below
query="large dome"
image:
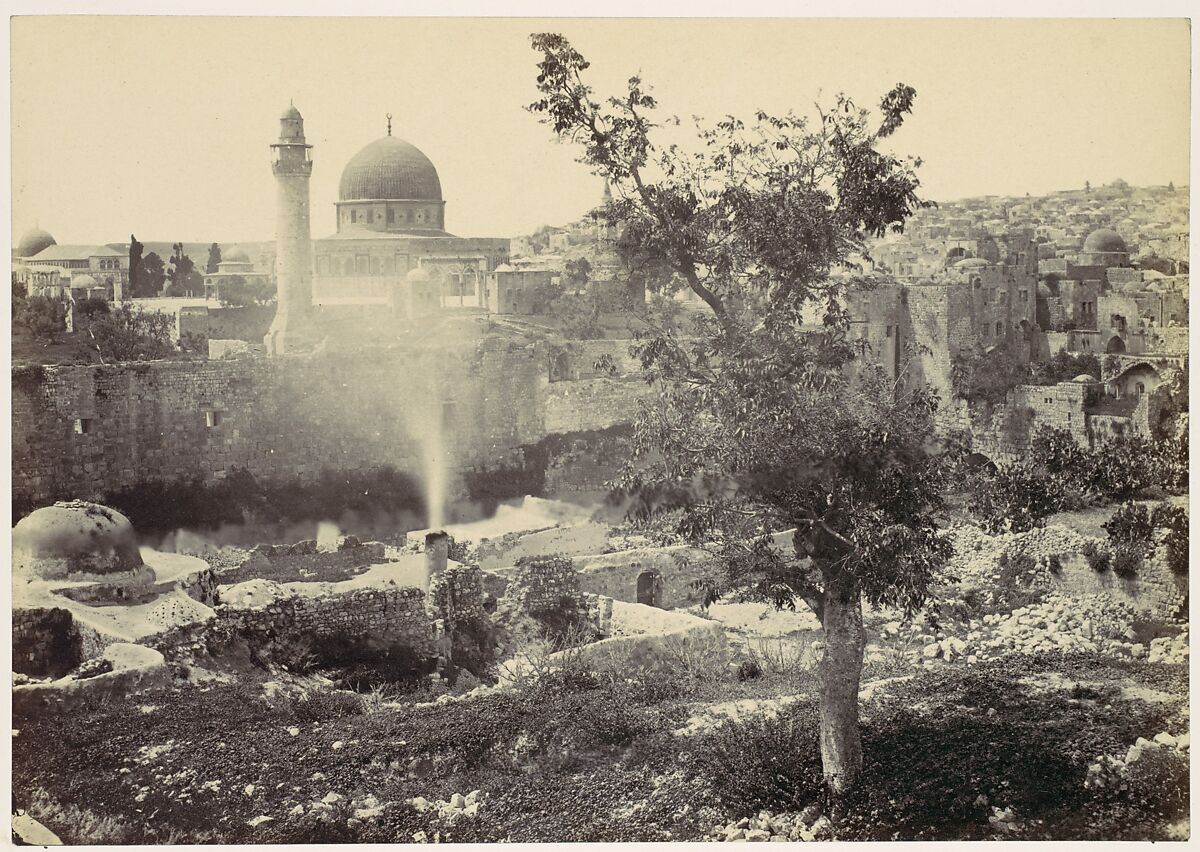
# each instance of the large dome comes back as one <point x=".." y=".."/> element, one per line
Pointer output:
<point x="1105" y="240"/>
<point x="390" y="169"/>
<point x="34" y="242"/>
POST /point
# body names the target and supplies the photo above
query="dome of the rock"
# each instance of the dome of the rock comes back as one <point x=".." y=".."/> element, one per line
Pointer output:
<point x="390" y="169"/>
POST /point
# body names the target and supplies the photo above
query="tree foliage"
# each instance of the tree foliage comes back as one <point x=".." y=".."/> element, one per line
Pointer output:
<point x="150" y="277"/>
<point x="755" y="423"/>
<point x="129" y="334"/>
<point x="185" y="279"/>
<point x="135" y="266"/>
<point x="236" y="291"/>
<point x="44" y="317"/>
<point x="214" y="258"/>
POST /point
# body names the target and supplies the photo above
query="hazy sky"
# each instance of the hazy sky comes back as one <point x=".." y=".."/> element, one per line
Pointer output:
<point x="160" y="126"/>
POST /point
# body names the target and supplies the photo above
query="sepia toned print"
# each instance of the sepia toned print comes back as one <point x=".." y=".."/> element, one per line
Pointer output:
<point x="634" y="430"/>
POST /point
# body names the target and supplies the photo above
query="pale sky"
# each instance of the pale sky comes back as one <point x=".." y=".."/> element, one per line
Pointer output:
<point x="160" y="126"/>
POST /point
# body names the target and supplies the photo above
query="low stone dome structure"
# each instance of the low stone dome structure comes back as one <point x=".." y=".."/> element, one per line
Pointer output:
<point x="73" y="540"/>
<point x="1105" y="240"/>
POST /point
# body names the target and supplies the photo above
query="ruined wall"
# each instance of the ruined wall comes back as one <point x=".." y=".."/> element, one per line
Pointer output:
<point x="1155" y="589"/>
<point x="617" y="575"/>
<point x="82" y="431"/>
<point x="382" y="613"/>
<point x="303" y="561"/>
<point x="45" y="642"/>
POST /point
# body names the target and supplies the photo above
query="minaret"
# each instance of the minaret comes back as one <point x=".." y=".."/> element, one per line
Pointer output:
<point x="292" y="329"/>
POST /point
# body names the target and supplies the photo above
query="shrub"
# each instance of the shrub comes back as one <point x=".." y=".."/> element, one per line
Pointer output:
<point x="1158" y="782"/>
<point x="1121" y="468"/>
<point x="129" y="334"/>
<point x="1126" y="560"/>
<point x="1017" y="497"/>
<point x="1129" y="524"/>
<point x="43" y="317"/>
<point x="987" y="377"/>
<point x="1099" y="559"/>
<point x="769" y="763"/>
<point x="1175" y="521"/>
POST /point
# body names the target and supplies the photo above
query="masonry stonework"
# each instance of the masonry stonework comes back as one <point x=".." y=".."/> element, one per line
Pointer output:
<point x="88" y="430"/>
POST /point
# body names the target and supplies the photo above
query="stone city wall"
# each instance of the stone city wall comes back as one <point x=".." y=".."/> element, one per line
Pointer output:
<point x="87" y="430"/>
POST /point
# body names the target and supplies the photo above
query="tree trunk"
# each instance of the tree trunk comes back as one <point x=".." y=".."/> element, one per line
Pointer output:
<point x="840" y="671"/>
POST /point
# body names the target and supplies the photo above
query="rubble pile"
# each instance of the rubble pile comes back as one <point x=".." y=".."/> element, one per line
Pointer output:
<point x="1170" y="649"/>
<point x="1094" y="623"/>
<point x="1110" y="771"/>
<point x="808" y="824"/>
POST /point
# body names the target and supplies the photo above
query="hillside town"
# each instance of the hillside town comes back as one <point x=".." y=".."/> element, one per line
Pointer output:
<point x="739" y="508"/>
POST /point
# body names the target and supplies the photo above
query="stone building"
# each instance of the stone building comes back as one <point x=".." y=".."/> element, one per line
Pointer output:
<point x="235" y="263"/>
<point x="391" y="221"/>
<point x="98" y="267"/>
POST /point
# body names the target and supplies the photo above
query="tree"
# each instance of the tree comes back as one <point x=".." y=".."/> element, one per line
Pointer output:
<point x="150" y="278"/>
<point x="135" y="266"/>
<point x="759" y="421"/>
<point x="185" y="280"/>
<point x="45" y="318"/>
<point x="238" y="292"/>
<point x="214" y="258"/>
<point x="577" y="272"/>
<point x="126" y="333"/>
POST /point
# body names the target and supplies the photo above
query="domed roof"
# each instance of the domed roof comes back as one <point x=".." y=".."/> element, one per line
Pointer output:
<point x="1104" y="240"/>
<point x="390" y="168"/>
<point x="972" y="263"/>
<point x="290" y="112"/>
<point x="74" y="538"/>
<point x="84" y="280"/>
<point x="236" y="254"/>
<point x="1084" y="379"/>
<point x="34" y="241"/>
<point x="418" y="274"/>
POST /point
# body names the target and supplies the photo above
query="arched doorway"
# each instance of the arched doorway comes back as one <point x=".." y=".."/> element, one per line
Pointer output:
<point x="1115" y="345"/>
<point x="649" y="588"/>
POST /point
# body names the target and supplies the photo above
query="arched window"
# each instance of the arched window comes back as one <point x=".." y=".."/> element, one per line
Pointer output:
<point x="1140" y="388"/>
<point x="999" y="329"/>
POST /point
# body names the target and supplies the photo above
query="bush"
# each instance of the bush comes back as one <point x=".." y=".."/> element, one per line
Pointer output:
<point x="1121" y="468"/>
<point x="771" y="763"/>
<point x="1174" y="520"/>
<point x="43" y="317"/>
<point x="1016" y="498"/>
<point x="130" y="334"/>
<point x="987" y="376"/>
<point x="1129" y="524"/>
<point x="1126" y="560"/>
<point x="237" y="292"/>
<point x="1099" y="559"/>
